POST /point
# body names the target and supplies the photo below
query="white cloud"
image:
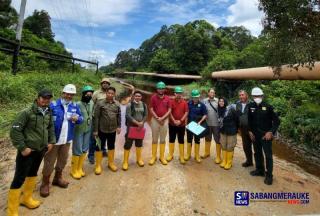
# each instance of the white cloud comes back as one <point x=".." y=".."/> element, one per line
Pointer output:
<point x="84" y="12"/>
<point x="182" y="11"/>
<point x="111" y="34"/>
<point x="246" y="13"/>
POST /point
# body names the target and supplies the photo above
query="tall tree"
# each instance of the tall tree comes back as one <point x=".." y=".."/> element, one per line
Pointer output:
<point x="293" y="29"/>
<point x="40" y="24"/>
<point x="8" y="15"/>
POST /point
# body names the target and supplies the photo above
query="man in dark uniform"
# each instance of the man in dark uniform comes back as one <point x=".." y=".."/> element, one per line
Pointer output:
<point x="263" y="123"/>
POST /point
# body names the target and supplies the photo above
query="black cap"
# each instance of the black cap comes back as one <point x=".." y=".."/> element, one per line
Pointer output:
<point x="45" y="93"/>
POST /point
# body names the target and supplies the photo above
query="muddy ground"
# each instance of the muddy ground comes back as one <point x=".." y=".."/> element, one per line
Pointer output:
<point x="175" y="189"/>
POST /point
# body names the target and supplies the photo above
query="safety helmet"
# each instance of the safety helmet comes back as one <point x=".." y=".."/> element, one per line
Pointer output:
<point x="161" y="85"/>
<point x="195" y="93"/>
<point x="178" y="89"/>
<point x="256" y="91"/>
<point x="105" y="80"/>
<point x="70" y="89"/>
<point x="87" y="88"/>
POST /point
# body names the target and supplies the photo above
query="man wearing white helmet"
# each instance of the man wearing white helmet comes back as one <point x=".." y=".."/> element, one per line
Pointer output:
<point x="65" y="115"/>
<point x="263" y="123"/>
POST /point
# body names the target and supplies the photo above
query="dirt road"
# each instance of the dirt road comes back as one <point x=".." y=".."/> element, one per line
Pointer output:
<point x="192" y="189"/>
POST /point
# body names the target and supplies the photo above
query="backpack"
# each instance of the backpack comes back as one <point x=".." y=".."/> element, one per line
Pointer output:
<point x="133" y="110"/>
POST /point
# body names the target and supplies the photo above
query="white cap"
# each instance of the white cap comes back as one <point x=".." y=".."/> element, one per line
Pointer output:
<point x="70" y="89"/>
<point x="256" y="92"/>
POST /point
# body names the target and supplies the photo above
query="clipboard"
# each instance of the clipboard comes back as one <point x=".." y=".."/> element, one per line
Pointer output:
<point x="136" y="133"/>
<point x="195" y="128"/>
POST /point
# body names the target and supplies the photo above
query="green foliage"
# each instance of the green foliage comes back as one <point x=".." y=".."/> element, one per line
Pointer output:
<point x="223" y="60"/>
<point x="188" y="49"/>
<point x="8" y="15"/>
<point x="39" y="24"/>
<point x="293" y="29"/>
<point x="163" y="62"/>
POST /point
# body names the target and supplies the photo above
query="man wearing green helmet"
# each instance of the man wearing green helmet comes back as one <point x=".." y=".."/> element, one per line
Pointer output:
<point x="160" y="109"/>
<point x="177" y="123"/>
<point x="83" y="132"/>
<point x="197" y="113"/>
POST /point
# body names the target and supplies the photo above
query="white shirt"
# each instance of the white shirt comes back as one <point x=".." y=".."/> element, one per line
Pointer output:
<point x="64" y="130"/>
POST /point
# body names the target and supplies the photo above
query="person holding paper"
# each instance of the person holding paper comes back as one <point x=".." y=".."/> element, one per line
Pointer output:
<point x="136" y="116"/>
<point x="229" y="121"/>
<point x="160" y="109"/>
<point x="198" y="114"/>
<point x="107" y="123"/>
<point x="177" y="123"/>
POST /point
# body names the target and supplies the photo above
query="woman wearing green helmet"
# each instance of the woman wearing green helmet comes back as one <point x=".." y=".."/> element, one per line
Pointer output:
<point x="198" y="114"/>
<point x="83" y="132"/>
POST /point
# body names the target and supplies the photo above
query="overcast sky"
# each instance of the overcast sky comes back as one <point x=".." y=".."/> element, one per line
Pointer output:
<point x="102" y="28"/>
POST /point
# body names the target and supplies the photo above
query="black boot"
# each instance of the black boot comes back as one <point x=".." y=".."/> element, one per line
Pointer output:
<point x="247" y="164"/>
<point x="257" y="173"/>
<point x="268" y="180"/>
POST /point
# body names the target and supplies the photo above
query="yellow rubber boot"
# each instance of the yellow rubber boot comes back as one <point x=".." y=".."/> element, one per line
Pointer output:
<point x="196" y="153"/>
<point x="98" y="157"/>
<point x="125" y="164"/>
<point x="111" y="164"/>
<point x="218" y="157"/>
<point x="26" y="198"/>
<point x="80" y="164"/>
<point x="224" y="159"/>
<point x="162" y="158"/>
<point x="139" y="157"/>
<point x="171" y="152"/>
<point x="181" y="151"/>
<point x="189" y="147"/>
<point x="229" y="160"/>
<point x="13" y="202"/>
<point x="154" y="154"/>
<point x="74" y="167"/>
<point x="206" y="150"/>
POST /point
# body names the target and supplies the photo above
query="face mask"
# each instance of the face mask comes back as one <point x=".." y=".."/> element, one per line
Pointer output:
<point x="86" y="98"/>
<point x="258" y="100"/>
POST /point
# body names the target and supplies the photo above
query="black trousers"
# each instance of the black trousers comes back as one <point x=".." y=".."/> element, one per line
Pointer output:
<point x="246" y="143"/>
<point x="176" y="131"/>
<point x="26" y="166"/>
<point x="191" y="136"/>
<point x="109" y="137"/>
<point x="263" y="146"/>
<point x="128" y="143"/>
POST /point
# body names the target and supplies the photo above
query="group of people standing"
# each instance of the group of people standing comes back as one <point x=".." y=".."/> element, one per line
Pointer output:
<point x="47" y="128"/>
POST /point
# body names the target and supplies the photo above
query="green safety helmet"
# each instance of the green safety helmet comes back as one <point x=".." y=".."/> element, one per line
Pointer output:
<point x="87" y="89"/>
<point x="161" y="85"/>
<point x="178" y="89"/>
<point x="195" y="93"/>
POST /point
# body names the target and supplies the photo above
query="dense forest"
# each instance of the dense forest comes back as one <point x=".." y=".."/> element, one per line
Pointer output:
<point x="194" y="48"/>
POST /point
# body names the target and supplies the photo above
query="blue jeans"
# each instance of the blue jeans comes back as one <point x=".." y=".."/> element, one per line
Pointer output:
<point x="81" y="143"/>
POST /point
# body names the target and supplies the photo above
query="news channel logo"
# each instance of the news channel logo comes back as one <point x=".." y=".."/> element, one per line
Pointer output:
<point x="241" y="198"/>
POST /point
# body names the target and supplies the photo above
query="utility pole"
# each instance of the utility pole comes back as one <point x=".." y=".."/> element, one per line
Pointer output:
<point x="18" y="37"/>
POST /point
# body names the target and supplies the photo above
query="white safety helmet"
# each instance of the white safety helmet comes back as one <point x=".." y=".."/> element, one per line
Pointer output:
<point x="70" y="89"/>
<point x="256" y="92"/>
